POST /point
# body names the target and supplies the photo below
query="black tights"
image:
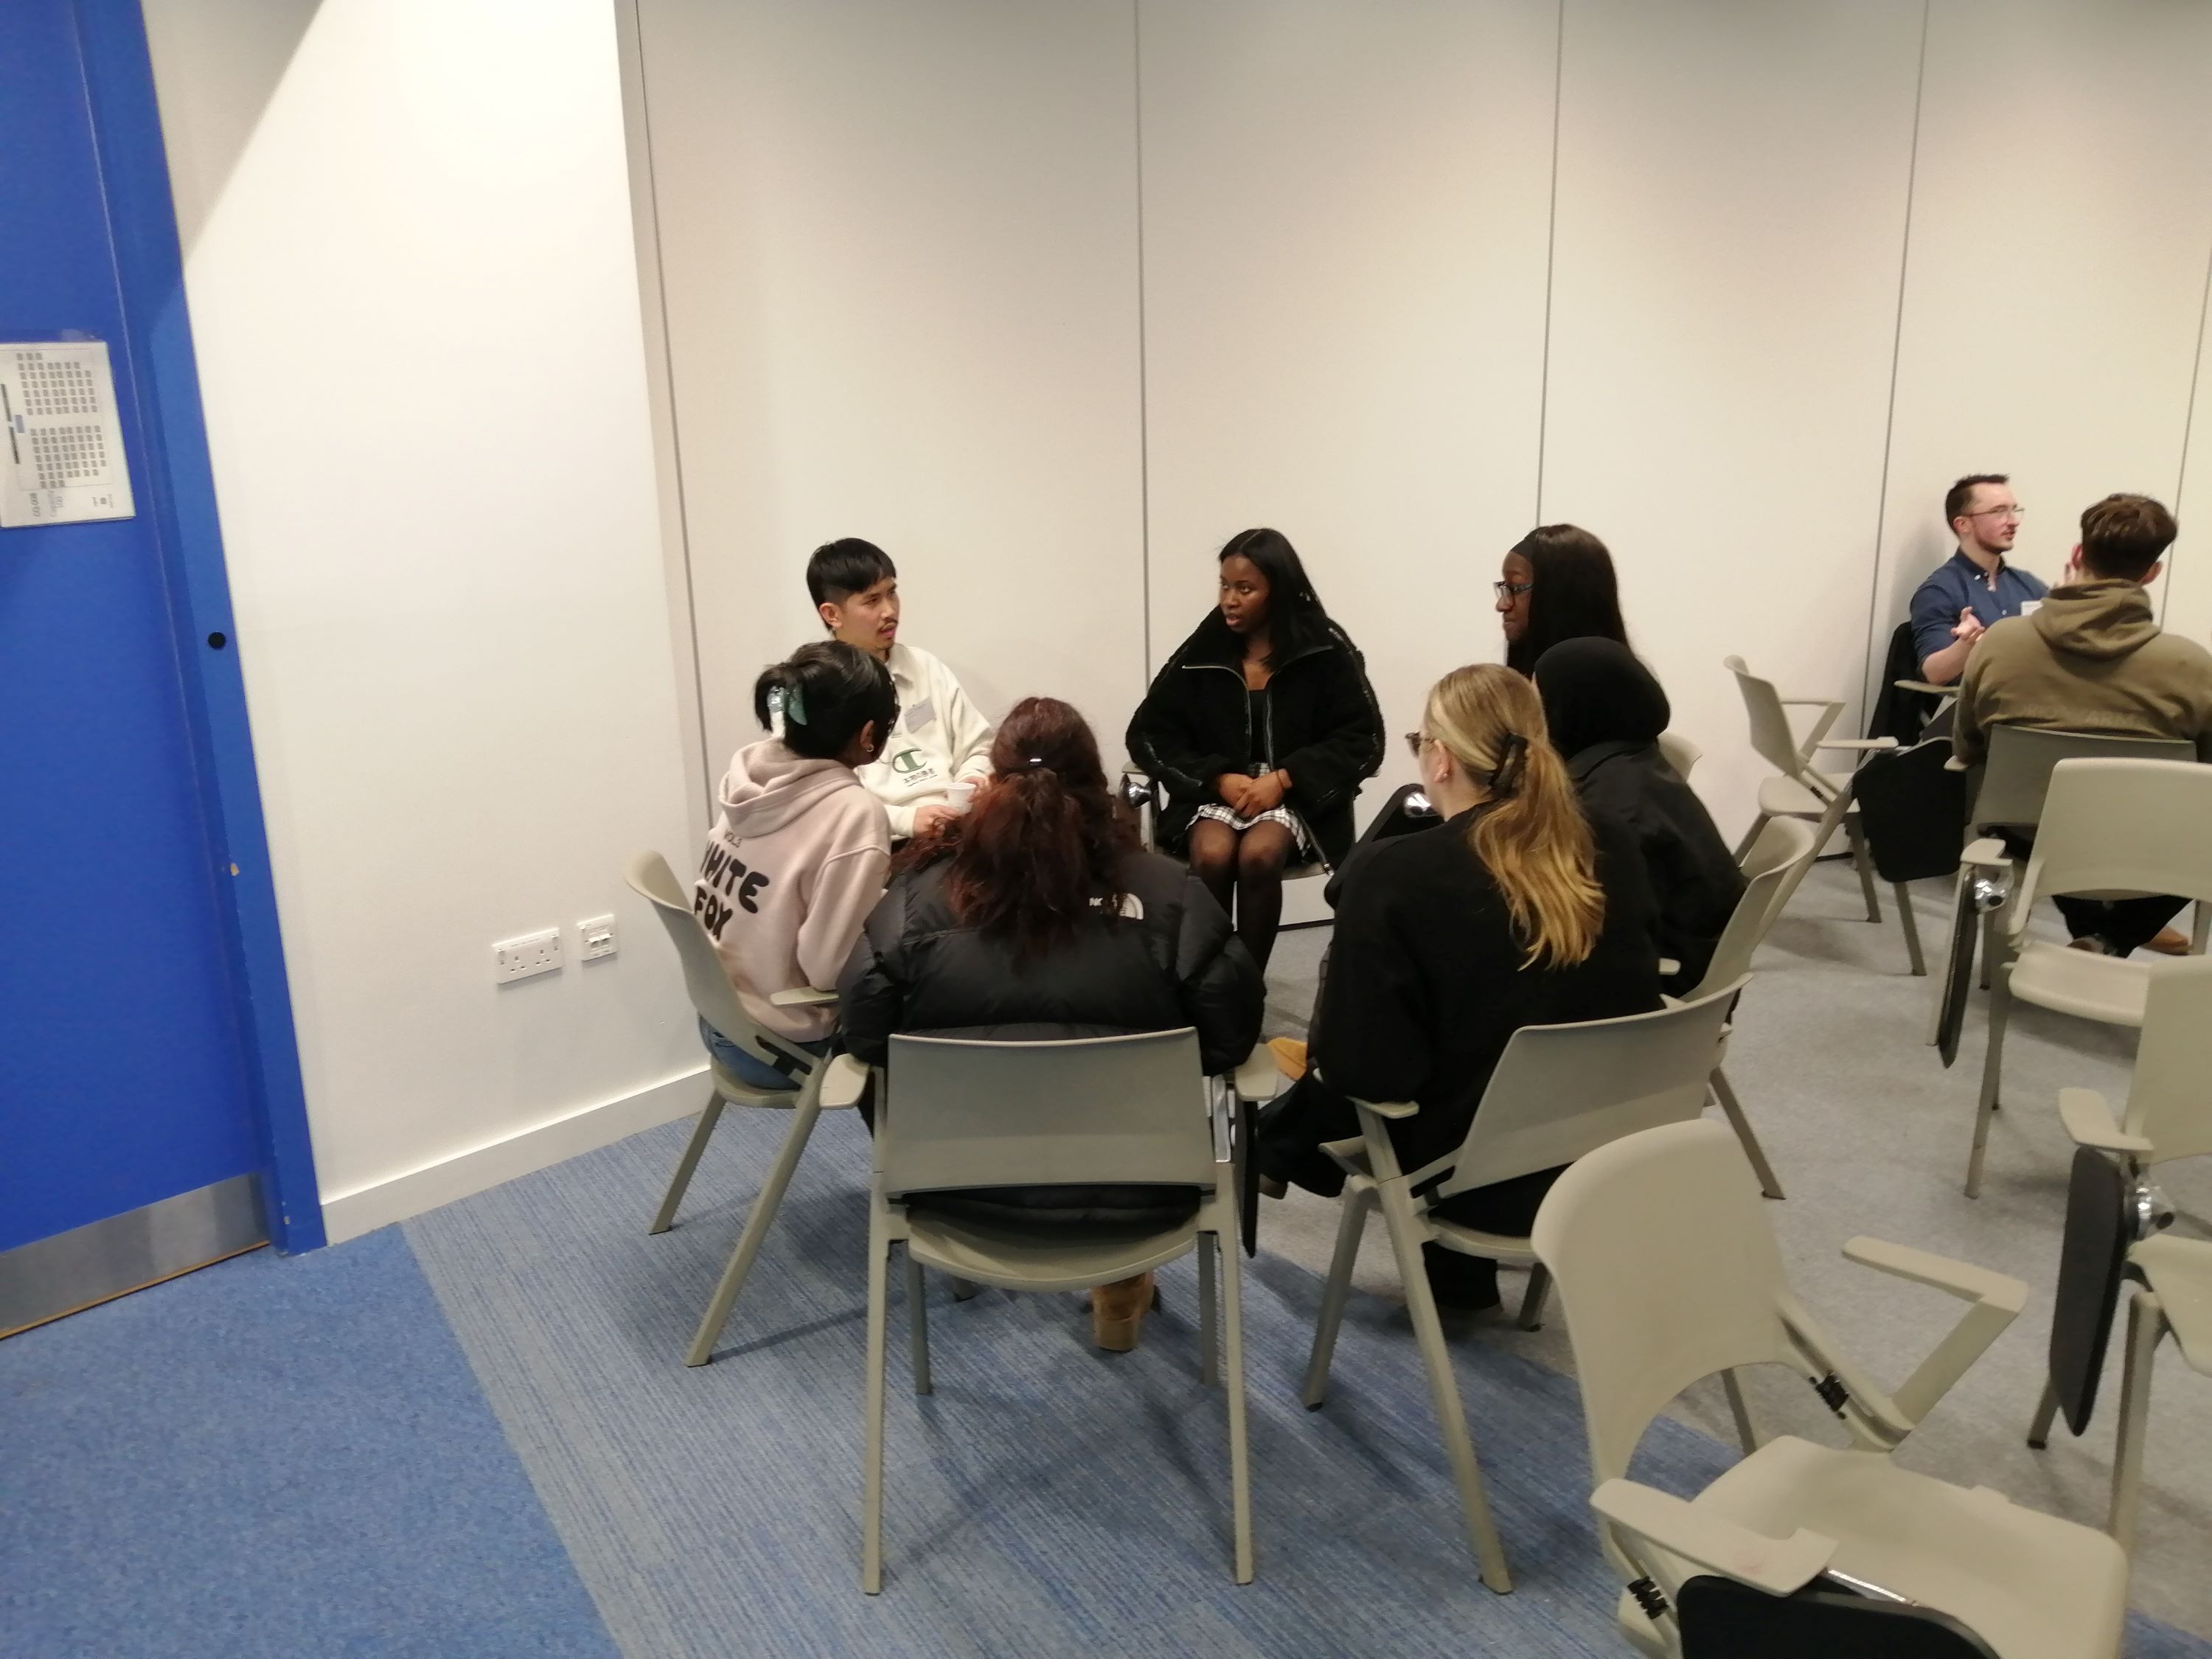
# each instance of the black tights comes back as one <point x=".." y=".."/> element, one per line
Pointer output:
<point x="1245" y="870"/>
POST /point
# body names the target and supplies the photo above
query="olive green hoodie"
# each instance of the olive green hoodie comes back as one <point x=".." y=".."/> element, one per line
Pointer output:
<point x="2091" y="659"/>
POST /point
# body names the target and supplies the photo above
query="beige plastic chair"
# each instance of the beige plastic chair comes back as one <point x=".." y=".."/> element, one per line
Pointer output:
<point x="1669" y="1273"/>
<point x="1777" y="862"/>
<point x="2108" y="827"/>
<point x="958" y="1114"/>
<point x="1801" y="791"/>
<point x="835" y="1084"/>
<point x="1679" y="753"/>
<point x="2176" y="1277"/>
<point x="1557" y="1091"/>
<point x="2010" y="793"/>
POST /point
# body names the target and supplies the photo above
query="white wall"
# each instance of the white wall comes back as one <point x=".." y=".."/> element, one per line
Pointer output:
<point x="409" y="267"/>
<point x="898" y="243"/>
<point x="2189" y="586"/>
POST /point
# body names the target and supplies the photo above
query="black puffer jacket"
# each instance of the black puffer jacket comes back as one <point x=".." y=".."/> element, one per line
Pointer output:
<point x="917" y="971"/>
<point x="1196" y="723"/>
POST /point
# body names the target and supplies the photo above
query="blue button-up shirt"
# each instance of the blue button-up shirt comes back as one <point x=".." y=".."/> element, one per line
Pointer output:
<point x="1957" y="585"/>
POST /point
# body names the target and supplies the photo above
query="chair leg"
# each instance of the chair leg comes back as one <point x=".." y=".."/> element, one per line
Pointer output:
<point x="757" y="1226"/>
<point x="665" y="1218"/>
<point x="1207" y="1345"/>
<point x="1991" y="943"/>
<point x="1532" y="1298"/>
<point x="1444" y="1389"/>
<point x="1904" y="896"/>
<point x="963" y="1290"/>
<point x="1732" y="1108"/>
<point x="1743" y="847"/>
<point x="2200" y="930"/>
<point x="1992" y="1069"/>
<point x="1240" y="1458"/>
<point x="871" y="1468"/>
<point x="1747" y="1432"/>
<point x="1351" y="1228"/>
<point x="2146" y="1324"/>
<point x="1857" y="840"/>
<point x="2039" y="1432"/>
<point x="917" y="1314"/>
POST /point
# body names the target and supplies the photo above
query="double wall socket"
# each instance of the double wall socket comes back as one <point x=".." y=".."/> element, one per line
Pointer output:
<point x="532" y="954"/>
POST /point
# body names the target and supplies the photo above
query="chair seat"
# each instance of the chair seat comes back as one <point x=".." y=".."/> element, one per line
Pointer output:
<point x="2030" y="1585"/>
<point x="2108" y="988"/>
<point x="2179" y="1271"/>
<point x="1046" y="1256"/>
<point x="1786" y="798"/>
<point x="848" y="1078"/>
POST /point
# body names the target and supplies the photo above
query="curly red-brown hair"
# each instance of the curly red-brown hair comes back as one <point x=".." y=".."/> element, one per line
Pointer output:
<point x="1042" y="843"/>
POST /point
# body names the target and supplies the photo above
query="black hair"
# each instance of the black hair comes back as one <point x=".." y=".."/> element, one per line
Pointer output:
<point x="841" y="569"/>
<point x="826" y="693"/>
<point x="1296" y="620"/>
<point x="1573" y="595"/>
<point x="1960" y="496"/>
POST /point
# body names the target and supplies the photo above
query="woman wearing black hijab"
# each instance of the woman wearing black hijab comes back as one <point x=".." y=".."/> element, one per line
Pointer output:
<point x="1606" y="712"/>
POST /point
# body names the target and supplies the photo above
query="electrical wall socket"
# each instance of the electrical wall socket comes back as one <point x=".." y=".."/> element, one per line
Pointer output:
<point x="532" y="954"/>
<point x="596" y="938"/>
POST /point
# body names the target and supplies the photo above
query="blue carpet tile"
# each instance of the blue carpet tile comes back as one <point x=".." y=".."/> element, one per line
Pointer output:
<point x="270" y="1458"/>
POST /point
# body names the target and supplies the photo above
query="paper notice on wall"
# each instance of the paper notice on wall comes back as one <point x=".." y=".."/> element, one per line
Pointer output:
<point x="63" y="459"/>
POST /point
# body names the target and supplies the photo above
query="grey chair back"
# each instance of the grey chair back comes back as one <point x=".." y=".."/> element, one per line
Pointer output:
<point x="1562" y="1090"/>
<point x="1776" y="860"/>
<point x="1770" y="736"/>
<point x="2015" y="778"/>
<point x="1092" y="1110"/>
<point x="2122" y="826"/>
<point x="712" y="995"/>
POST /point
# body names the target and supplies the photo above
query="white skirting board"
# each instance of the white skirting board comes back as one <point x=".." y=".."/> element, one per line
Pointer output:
<point x="350" y="1215"/>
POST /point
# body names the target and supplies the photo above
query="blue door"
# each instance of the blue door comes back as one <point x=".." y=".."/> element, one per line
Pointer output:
<point x="150" y="1111"/>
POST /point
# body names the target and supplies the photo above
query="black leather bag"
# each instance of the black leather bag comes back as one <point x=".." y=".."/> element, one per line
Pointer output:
<point x="1913" y="809"/>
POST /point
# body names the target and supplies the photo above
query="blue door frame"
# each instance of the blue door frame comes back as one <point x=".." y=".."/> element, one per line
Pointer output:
<point x="165" y="437"/>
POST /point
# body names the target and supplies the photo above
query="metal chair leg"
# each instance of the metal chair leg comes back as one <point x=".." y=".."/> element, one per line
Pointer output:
<point x="1747" y="1432"/>
<point x="2039" y="1432"/>
<point x="1351" y="1228"/>
<point x="872" y="1467"/>
<point x="1444" y="1389"/>
<point x="1904" y="896"/>
<point x="917" y="1314"/>
<point x="1532" y="1299"/>
<point x="1240" y="1459"/>
<point x="1992" y="1069"/>
<point x="2146" y="1325"/>
<point x="1732" y="1109"/>
<point x="1208" y="1343"/>
<point x="1857" y="840"/>
<point x="756" y="1225"/>
<point x="665" y="1218"/>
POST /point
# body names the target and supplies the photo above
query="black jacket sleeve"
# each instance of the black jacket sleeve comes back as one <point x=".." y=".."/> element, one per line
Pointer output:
<point x="872" y="989"/>
<point x="1346" y="746"/>
<point x="1219" y="986"/>
<point x="1374" y="1034"/>
<point x="1164" y="739"/>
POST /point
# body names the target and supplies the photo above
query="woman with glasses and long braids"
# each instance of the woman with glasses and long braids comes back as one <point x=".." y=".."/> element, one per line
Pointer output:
<point x="1033" y="918"/>
<point x="1262" y="726"/>
<point x="1556" y="583"/>
<point x="1518" y="910"/>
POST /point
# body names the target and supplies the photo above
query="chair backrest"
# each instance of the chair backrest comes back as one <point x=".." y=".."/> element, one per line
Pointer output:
<point x="1770" y="736"/>
<point x="1680" y="753"/>
<point x="2125" y="826"/>
<point x="2016" y="777"/>
<point x="1777" y="858"/>
<point x="1723" y="1620"/>
<point x="2091" y="1256"/>
<point x="960" y="1113"/>
<point x="704" y="977"/>
<point x="2170" y="1098"/>
<point x="1669" y="1272"/>
<point x="1561" y="1090"/>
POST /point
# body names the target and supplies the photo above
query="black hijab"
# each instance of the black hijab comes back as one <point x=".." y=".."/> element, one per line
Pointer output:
<point x="1596" y="691"/>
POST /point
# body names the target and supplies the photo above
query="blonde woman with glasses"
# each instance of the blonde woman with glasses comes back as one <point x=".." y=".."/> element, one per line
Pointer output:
<point x="1519" y="910"/>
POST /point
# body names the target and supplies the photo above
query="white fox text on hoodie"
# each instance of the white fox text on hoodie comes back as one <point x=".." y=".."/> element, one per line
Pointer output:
<point x="795" y="864"/>
<point x="940" y="739"/>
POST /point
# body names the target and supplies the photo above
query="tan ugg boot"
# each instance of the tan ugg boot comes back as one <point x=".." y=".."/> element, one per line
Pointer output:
<point x="1117" y="1312"/>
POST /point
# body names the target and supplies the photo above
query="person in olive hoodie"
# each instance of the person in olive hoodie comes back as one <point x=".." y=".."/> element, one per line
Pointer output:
<point x="1262" y="726"/>
<point x="2093" y="658"/>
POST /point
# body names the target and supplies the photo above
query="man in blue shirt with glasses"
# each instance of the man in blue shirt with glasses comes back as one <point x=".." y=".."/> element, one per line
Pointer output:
<point x="1977" y="586"/>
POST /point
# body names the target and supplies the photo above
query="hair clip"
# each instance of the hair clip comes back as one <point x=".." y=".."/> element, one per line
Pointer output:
<point x="1505" y="777"/>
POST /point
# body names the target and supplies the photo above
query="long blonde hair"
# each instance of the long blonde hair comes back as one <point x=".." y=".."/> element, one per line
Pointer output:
<point x="1533" y="839"/>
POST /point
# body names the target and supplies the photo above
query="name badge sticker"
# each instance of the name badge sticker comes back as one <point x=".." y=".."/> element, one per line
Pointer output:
<point x="921" y="714"/>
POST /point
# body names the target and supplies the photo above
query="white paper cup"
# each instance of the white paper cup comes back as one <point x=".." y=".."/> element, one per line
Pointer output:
<point x="961" y="796"/>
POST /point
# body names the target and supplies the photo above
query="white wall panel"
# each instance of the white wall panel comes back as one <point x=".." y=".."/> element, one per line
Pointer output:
<point x="899" y="246"/>
<point x="2061" y="216"/>
<point x="2188" y="608"/>
<point x="1732" y="192"/>
<point x="1345" y="219"/>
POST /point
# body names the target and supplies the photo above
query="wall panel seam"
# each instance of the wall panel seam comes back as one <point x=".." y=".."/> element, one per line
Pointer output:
<point x="1144" y="390"/>
<point x="1551" y="248"/>
<point x="2188" y="426"/>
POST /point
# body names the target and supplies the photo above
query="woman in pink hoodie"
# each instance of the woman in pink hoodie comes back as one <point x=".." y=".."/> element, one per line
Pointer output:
<point x="798" y="856"/>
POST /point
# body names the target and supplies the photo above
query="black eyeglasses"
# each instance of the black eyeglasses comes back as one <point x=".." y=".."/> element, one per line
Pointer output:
<point x="1413" y="742"/>
<point x="1511" y="589"/>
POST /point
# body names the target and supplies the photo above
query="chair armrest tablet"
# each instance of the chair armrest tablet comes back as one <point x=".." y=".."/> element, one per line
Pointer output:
<point x="1777" y="1565"/>
<point x="803" y="996"/>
